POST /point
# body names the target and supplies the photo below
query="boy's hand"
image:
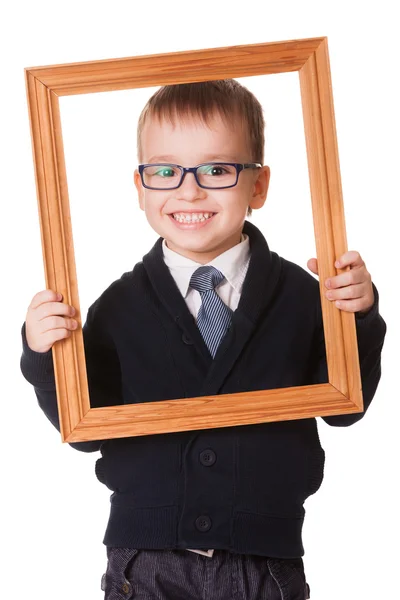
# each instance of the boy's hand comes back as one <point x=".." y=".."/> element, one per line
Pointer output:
<point x="351" y="290"/>
<point x="43" y="326"/>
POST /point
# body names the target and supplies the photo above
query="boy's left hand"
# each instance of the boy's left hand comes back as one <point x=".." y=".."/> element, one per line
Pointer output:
<point x="351" y="290"/>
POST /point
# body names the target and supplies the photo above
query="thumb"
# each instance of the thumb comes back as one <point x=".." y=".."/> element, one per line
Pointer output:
<point x="312" y="264"/>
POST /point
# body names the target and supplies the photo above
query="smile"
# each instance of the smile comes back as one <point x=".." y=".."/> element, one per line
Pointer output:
<point x="183" y="217"/>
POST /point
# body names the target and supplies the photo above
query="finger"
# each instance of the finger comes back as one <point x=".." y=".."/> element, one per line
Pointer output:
<point x="48" y="309"/>
<point x="45" y="296"/>
<point x="347" y="278"/>
<point x="350" y="305"/>
<point x="352" y="257"/>
<point x="312" y="264"/>
<point x="54" y="335"/>
<point x="350" y="292"/>
<point x="53" y="322"/>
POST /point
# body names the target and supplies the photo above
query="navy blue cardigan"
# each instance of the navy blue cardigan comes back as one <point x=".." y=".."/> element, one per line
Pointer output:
<point x="238" y="488"/>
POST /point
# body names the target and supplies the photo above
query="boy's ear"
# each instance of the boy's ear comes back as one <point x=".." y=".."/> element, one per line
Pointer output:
<point x="260" y="189"/>
<point x="138" y="184"/>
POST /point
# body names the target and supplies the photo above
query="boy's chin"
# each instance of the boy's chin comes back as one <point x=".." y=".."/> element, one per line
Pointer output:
<point x="192" y="247"/>
<point x="197" y="247"/>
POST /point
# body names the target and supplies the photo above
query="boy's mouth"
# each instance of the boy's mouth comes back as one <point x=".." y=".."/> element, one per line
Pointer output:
<point x="192" y="217"/>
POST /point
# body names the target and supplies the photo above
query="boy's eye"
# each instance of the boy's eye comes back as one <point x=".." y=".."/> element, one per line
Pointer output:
<point x="214" y="170"/>
<point x="166" y="172"/>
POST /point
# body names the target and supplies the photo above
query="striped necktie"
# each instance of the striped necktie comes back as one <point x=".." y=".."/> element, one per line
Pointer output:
<point x="214" y="316"/>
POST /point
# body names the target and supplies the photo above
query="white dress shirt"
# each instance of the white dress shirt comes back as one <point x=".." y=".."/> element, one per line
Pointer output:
<point x="233" y="263"/>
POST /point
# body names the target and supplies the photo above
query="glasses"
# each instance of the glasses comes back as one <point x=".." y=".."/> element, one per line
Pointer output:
<point x="213" y="175"/>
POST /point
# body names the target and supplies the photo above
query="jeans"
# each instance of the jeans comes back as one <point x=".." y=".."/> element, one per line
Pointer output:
<point x="134" y="574"/>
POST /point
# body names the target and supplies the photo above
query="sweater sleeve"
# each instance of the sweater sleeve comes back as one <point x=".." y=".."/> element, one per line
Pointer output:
<point x="371" y="331"/>
<point x="103" y="372"/>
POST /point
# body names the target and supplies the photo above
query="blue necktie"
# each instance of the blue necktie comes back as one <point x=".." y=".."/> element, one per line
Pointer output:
<point x="214" y="316"/>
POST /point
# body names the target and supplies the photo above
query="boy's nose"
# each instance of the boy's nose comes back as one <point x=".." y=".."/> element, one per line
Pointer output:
<point x="189" y="189"/>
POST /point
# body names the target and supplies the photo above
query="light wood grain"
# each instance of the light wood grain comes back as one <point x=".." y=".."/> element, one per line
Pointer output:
<point x="226" y="410"/>
<point x="310" y="58"/>
<point x="176" y="67"/>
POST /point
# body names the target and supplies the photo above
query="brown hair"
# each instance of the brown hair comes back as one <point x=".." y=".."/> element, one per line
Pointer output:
<point x="226" y="97"/>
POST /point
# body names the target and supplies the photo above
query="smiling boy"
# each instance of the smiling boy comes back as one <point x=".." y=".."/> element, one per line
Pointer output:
<point x="214" y="513"/>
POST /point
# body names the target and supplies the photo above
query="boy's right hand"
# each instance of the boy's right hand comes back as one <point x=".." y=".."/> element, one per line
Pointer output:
<point x="48" y="320"/>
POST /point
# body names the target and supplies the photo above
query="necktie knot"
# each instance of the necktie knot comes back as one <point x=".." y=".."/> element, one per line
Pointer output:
<point x="206" y="278"/>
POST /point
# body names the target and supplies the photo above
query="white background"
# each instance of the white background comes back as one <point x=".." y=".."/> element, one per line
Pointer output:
<point x="53" y="509"/>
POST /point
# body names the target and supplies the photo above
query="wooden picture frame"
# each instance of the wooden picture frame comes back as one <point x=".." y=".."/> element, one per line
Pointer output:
<point x="342" y="394"/>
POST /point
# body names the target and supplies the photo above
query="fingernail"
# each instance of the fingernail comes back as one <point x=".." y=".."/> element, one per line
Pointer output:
<point x="337" y="263"/>
<point x="328" y="283"/>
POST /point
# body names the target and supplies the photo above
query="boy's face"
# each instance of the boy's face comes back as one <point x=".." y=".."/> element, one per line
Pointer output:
<point x="190" y="143"/>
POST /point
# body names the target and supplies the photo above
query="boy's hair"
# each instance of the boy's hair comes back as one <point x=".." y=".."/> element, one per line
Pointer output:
<point x="226" y="97"/>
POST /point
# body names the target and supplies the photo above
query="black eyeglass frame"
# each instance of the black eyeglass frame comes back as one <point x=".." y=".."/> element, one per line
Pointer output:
<point x="239" y="167"/>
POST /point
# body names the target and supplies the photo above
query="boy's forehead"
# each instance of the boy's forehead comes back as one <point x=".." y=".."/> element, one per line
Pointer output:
<point x="160" y="135"/>
<point x="176" y="122"/>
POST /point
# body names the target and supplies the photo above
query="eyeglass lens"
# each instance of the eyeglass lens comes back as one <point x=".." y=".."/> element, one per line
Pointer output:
<point x="167" y="176"/>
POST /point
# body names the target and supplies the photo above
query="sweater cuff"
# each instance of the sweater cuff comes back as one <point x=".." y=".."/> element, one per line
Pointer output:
<point x="365" y="319"/>
<point x="36" y="367"/>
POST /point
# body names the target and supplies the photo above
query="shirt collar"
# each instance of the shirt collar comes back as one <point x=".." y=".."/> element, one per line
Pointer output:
<point x="232" y="263"/>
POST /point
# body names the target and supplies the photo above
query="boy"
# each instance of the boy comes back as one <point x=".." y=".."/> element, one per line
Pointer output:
<point x="213" y="513"/>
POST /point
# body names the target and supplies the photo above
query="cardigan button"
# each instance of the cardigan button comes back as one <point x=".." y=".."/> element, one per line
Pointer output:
<point x="126" y="588"/>
<point x="203" y="523"/>
<point x="207" y="457"/>
<point x="186" y="339"/>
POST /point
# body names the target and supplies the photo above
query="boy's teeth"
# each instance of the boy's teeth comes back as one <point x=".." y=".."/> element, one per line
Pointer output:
<point x="192" y="217"/>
